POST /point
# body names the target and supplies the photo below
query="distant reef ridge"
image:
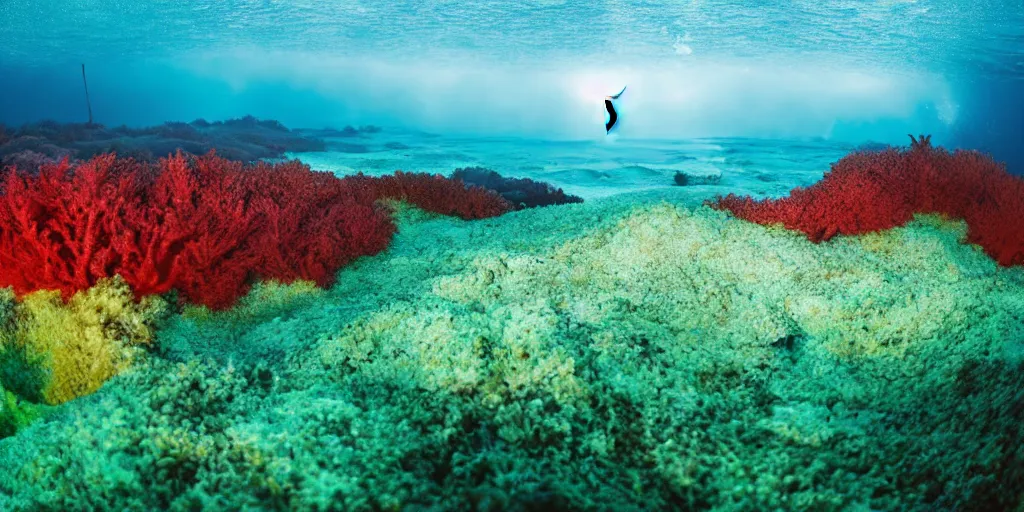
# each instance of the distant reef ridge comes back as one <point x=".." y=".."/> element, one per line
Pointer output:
<point x="246" y="139"/>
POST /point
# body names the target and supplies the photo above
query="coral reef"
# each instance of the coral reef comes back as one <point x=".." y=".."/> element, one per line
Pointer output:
<point x="435" y="193"/>
<point x="874" y="190"/>
<point x="246" y="139"/>
<point x="521" y="192"/>
<point x="53" y="351"/>
<point x="203" y="226"/>
<point x="16" y="414"/>
<point x="347" y="131"/>
<point x="684" y="179"/>
<point x="29" y="159"/>
<point x="625" y="354"/>
<point x="659" y="358"/>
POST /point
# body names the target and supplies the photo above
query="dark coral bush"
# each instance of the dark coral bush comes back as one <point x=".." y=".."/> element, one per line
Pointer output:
<point x="521" y="192"/>
<point x="876" y="190"/>
<point x="247" y="139"/>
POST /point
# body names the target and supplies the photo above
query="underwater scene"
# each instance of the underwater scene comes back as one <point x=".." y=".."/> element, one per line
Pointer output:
<point x="543" y="255"/>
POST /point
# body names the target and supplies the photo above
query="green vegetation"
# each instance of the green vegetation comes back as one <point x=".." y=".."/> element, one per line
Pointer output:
<point x="623" y="354"/>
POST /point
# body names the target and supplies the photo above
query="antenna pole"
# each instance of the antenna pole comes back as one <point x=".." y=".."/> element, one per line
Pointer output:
<point x="87" y="102"/>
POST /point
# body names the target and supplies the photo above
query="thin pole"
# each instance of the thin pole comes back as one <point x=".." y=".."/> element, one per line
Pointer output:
<point x="87" y="102"/>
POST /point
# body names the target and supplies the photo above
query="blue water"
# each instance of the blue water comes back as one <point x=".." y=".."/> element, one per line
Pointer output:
<point x="846" y="72"/>
<point x="590" y="169"/>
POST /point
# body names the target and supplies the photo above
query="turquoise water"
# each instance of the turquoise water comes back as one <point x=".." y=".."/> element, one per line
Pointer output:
<point x="592" y="169"/>
<point x="844" y="71"/>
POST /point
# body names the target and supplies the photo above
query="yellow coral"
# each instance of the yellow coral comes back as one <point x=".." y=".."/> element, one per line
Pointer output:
<point x="82" y="343"/>
<point x="266" y="300"/>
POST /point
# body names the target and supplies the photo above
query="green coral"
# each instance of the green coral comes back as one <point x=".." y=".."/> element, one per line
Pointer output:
<point x="260" y="326"/>
<point x="662" y="358"/>
<point x="15" y="414"/>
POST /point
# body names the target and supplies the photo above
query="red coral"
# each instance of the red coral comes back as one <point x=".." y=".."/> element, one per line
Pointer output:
<point x="313" y="223"/>
<point x="994" y="216"/>
<point x="437" y="194"/>
<point x="204" y="226"/>
<point x="871" y="191"/>
<point x="56" y="229"/>
<point x="194" y="236"/>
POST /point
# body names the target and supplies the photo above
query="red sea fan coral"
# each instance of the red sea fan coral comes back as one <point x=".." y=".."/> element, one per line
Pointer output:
<point x="995" y="218"/>
<point x="204" y="226"/>
<point x="195" y="234"/>
<point x="57" y="228"/>
<point x="69" y="227"/>
<point x="438" y="194"/>
<point x="871" y="191"/>
<point x="312" y="223"/>
<point x="846" y="203"/>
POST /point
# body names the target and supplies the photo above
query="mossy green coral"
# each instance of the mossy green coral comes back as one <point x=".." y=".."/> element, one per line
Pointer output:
<point x="264" y="301"/>
<point x="16" y="414"/>
<point x="260" y="325"/>
<point x="661" y="358"/>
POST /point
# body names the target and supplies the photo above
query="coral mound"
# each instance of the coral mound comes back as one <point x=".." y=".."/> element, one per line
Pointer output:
<point x="874" y="190"/>
<point x="623" y="354"/>
<point x="204" y="226"/>
<point x="522" y="192"/>
<point x="246" y="139"/>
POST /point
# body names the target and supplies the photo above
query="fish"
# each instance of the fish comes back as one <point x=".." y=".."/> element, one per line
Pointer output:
<point x="613" y="117"/>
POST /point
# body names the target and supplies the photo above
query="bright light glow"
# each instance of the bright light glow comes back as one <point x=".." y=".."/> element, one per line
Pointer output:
<point x="685" y="98"/>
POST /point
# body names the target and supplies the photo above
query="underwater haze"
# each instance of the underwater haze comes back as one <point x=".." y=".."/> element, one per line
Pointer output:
<point x="850" y="71"/>
<point x="372" y="255"/>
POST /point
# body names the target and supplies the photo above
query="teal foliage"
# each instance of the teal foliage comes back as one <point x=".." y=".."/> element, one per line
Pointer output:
<point x="22" y="373"/>
<point x="15" y="415"/>
<point x="617" y="371"/>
